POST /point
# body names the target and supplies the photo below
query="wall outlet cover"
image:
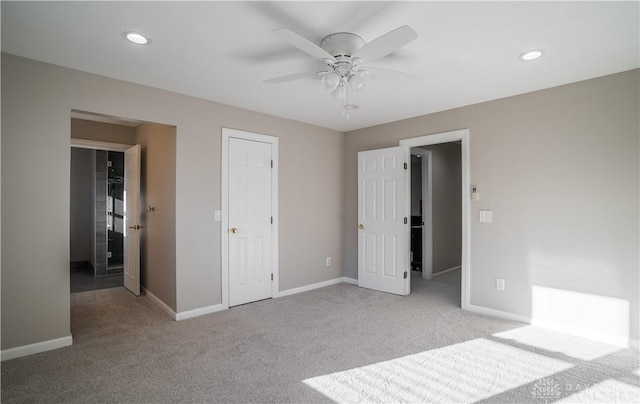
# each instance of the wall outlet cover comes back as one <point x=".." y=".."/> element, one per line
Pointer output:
<point x="486" y="216"/>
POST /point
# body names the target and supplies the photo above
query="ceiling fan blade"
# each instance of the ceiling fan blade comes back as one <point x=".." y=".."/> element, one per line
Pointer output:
<point x="382" y="70"/>
<point x="386" y="44"/>
<point x="303" y="44"/>
<point x="290" y="77"/>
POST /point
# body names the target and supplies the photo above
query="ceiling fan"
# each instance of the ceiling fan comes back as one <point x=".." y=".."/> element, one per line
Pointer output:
<point x="343" y="53"/>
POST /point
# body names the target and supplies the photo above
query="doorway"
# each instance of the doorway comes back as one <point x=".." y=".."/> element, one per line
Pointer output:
<point x="249" y="217"/>
<point x="461" y="138"/>
<point x="436" y="220"/>
<point x="384" y="194"/>
<point x="96" y="219"/>
<point x="110" y="186"/>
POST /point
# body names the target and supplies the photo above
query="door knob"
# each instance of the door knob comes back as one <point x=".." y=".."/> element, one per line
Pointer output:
<point x="136" y="227"/>
<point x="234" y="230"/>
<point x="361" y="227"/>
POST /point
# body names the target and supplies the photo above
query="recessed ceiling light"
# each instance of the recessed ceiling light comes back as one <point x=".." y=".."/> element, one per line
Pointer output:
<point x="531" y="55"/>
<point x="136" y="37"/>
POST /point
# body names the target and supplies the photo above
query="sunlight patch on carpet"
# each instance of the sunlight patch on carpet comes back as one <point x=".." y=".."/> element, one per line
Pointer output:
<point x="465" y="372"/>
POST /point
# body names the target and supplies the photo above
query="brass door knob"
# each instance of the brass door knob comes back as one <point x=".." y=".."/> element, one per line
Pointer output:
<point x="361" y="227"/>
<point x="234" y="230"/>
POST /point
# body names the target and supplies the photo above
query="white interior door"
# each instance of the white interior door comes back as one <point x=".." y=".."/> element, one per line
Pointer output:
<point x="250" y="217"/>
<point x="383" y="217"/>
<point x="131" y="222"/>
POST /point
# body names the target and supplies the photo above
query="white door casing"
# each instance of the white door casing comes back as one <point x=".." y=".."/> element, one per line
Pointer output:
<point x="249" y="217"/>
<point x="383" y="214"/>
<point x="462" y="136"/>
<point x="131" y="219"/>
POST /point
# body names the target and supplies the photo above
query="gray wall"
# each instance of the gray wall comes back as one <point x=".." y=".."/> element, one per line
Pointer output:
<point x="37" y="99"/>
<point x="559" y="168"/>
<point x="446" y="199"/>
<point x="81" y="204"/>
<point x="102" y="132"/>
<point x="158" y="189"/>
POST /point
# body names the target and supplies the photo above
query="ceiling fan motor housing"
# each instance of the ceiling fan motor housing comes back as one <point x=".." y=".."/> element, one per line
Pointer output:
<point x="342" y="44"/>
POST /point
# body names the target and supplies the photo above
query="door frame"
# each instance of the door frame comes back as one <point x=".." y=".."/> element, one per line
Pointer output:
<point x="426" y="167"/>
<point x="228" y="133"/>
<point x="461" y="135"/>
<point x="97" y="145"/>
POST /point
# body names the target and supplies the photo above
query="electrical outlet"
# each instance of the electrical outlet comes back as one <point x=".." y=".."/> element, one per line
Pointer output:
<point x="328" y="261"/>
<point x="500" y="284"/>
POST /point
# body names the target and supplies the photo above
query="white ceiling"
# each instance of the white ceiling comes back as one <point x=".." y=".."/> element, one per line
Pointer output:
<point x="466" y="52"/>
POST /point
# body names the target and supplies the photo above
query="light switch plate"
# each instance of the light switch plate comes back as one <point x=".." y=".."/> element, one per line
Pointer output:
<point x="486" y="216"/>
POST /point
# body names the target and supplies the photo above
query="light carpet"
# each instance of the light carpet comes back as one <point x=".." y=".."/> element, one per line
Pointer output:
<point x="336" y="344"/>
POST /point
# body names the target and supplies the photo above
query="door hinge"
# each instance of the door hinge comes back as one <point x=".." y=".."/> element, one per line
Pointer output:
<point x="271" y="219"/>
<point x="405" y="220"/>
<point x="405" y="166"/>
<point x="272" y="276"/>
<point x="405" y="274"/>
<point x="271" y="163"/>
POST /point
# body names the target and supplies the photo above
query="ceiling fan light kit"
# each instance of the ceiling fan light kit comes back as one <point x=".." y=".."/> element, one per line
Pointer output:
<point x="343" y="53"/>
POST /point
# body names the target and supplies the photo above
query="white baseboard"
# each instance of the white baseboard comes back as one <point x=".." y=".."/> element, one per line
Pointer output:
<point x="350" y="280"/>
<point x="588" y="333"/>
<point x="160" y="303"/>
<point x="616" y="340"/>
<point x="38" y="347"/>
<point x="433" y="274"/>
<point x="497" y="313"/>
<point x="201" y="311"/>
<point x="313" y="286"/>
<point x="219" y="307"/>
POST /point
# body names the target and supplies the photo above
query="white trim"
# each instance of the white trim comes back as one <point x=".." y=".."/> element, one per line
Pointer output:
<point x="38" y="347"/>
<point x="238" y="134"/>
<point x="201" y="311"/>
<point x="350" y="280"/>
<point x="446" y="270"/>
<point x="505" y="315"/>
<point x="594" y="335"/>
<point x="96" y="145"/>
<point x="220" y="307"/>
<point x="155" y="299"/>
<point x="461" y="135"/>
<point x="224" y="224"/>
<point x="313" y="286"/>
